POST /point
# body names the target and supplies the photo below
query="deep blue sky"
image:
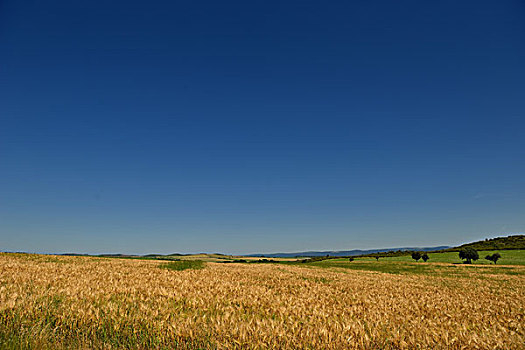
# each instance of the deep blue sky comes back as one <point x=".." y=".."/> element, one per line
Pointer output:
<point x="259" y="126"/>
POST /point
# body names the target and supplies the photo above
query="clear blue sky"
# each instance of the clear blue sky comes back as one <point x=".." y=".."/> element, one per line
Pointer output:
<point x="259" y="126"/>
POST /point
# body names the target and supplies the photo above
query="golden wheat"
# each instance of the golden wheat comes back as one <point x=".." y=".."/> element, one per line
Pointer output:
<point x="79" y="302"/>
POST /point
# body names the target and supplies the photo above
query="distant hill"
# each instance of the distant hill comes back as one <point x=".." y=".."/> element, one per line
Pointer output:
<point x="354" y="252"/>
<point x="499" y="243"/>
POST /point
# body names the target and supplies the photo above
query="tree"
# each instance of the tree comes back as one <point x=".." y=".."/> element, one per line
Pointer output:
<point x="377" y="257"/>
<point x="350" y="259"/>
<point x="425" y="257"/>
<point x="468" y="254"/>
<point x="494" y="257"/>
<point x="416" y="256"/>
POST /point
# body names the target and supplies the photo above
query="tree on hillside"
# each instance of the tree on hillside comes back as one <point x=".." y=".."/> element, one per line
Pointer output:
<point x="468" y="254"/>
<point x="494" y="257"/>
<point x="350" y="259"/>
<point x="416" y="256"/>
<point x="425" y="257"/>
<point x="377" y="257"/>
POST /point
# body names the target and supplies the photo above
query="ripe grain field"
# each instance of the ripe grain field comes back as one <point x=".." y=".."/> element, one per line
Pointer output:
<point x="81" y="302"/>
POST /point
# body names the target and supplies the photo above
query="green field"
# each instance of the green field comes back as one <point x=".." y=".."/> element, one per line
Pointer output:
<point x="511" y="263"/>
<point x="508" y="257"/>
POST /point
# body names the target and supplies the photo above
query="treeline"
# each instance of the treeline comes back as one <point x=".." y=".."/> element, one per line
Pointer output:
<point x="500" y="243"/>
<point x="514" y="242"/>
<point x="467" y="253"/>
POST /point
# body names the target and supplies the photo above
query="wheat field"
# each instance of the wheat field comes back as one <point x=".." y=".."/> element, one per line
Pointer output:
<point x="82" y="303"/>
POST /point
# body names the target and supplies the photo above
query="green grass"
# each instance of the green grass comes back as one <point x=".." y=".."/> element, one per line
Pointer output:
<point x="183" y="265"/>
<point x="508" y="257"/>
<point x="435" y="266"/>
<point x="397" y="267"/>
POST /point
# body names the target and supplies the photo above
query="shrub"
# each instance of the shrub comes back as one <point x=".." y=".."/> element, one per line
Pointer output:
<point x="264" y="261"/>
<point x="468" y="254"/>
<point x="494" y="257"/>
<point x="425" y="257"/>
<point x="416" y="256"/>
<point x="350" y="259"/>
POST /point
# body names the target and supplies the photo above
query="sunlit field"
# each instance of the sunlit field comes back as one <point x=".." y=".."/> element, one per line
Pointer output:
<point x="81" y="302"/>
<point x="508" y="257"/>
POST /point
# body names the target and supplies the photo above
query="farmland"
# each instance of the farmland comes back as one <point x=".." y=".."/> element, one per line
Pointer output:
<point x="86" y="302"/>
<point x="508" y="257"/>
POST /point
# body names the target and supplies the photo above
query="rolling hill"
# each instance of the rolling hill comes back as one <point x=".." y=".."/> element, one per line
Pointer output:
<point x="499" y="243"/>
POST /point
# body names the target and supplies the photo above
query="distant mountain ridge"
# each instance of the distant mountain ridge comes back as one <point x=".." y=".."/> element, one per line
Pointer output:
<point x="498" y="243"/>
<point x="354" y="252"/>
